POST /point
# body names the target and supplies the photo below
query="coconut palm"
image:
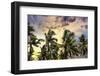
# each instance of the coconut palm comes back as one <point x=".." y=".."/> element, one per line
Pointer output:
<point x="69" y="44"/>
<point x="49" y="50"/>
<point x="43" y="53"/>
<point x="83" y="45"/>
<point x="61" y="55"/>
<point x="33" y="40"/>
<point x="54" y="50"/>
<point x="30" y="30"/>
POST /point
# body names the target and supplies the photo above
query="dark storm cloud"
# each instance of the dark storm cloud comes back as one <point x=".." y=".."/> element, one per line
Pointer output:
<point x="74" y="18"/>
<point x="69" y="18"/>
<point x="84" y="26"/>
<point x="75" y="23"/>
<point x="84" y="19"/>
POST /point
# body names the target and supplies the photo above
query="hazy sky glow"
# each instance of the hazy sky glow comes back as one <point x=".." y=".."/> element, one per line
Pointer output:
<point x="41" y="24"/>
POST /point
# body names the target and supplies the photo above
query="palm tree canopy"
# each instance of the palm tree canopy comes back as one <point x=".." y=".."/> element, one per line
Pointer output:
<point x="30" y="29"/>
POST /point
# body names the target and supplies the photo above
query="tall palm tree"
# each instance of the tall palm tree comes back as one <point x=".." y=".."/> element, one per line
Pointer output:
<point x="30" y="30"/>
<point x="33" y="40"/>
<point x="83" y="45"/>
<point x="54" y="50"/>
<point x="49" y="50"/>
<point x="61" y="55"/>
<point x="69" y="44"/>
<point x="43" y="53"/>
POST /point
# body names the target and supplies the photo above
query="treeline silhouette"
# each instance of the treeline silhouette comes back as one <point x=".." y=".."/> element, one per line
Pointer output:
<point x="51" y="50"/>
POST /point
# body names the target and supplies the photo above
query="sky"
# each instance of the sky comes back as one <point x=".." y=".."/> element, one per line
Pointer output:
<point x="42" y="23"/>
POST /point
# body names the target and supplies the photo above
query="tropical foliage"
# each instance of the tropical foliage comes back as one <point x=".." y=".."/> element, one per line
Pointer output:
<point x="52" y="50"/>
<point x="33" y="40"/>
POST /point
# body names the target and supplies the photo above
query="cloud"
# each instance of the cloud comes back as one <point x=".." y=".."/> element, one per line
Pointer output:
<point x="42" y="24"/>
<point x="70" y="18"/>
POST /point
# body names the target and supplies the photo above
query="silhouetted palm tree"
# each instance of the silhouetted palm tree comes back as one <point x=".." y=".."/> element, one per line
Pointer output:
<point x="49" y="50"/>
<point x="70" y="48"/>
<point x="69" y="44"/>
<point x="33" y="40"/>
<point x="30" y="30"/>
<point x="83" y="45"/>
<point x="61" y="55"/>
<point x="54" y="50"/>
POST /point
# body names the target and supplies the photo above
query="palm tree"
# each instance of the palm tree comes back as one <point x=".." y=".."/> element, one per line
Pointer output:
<point x="54" y="50"/>
<point x="69" y="44"/>
<point x="49" y="50"/>
<point x="30" y="30"/>
<point x="43" y="53"/>
<point x="83" y="45"/>
<point x="33" y="40"/>
<point x="61" y="55"/>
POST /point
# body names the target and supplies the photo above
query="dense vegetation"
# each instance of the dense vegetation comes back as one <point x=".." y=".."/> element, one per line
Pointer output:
<point x="51" y="50"/>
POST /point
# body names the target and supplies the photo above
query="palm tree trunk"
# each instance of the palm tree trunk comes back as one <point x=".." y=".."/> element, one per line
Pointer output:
<point x="65" y="53"/>
<point x="30" y="53"/>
